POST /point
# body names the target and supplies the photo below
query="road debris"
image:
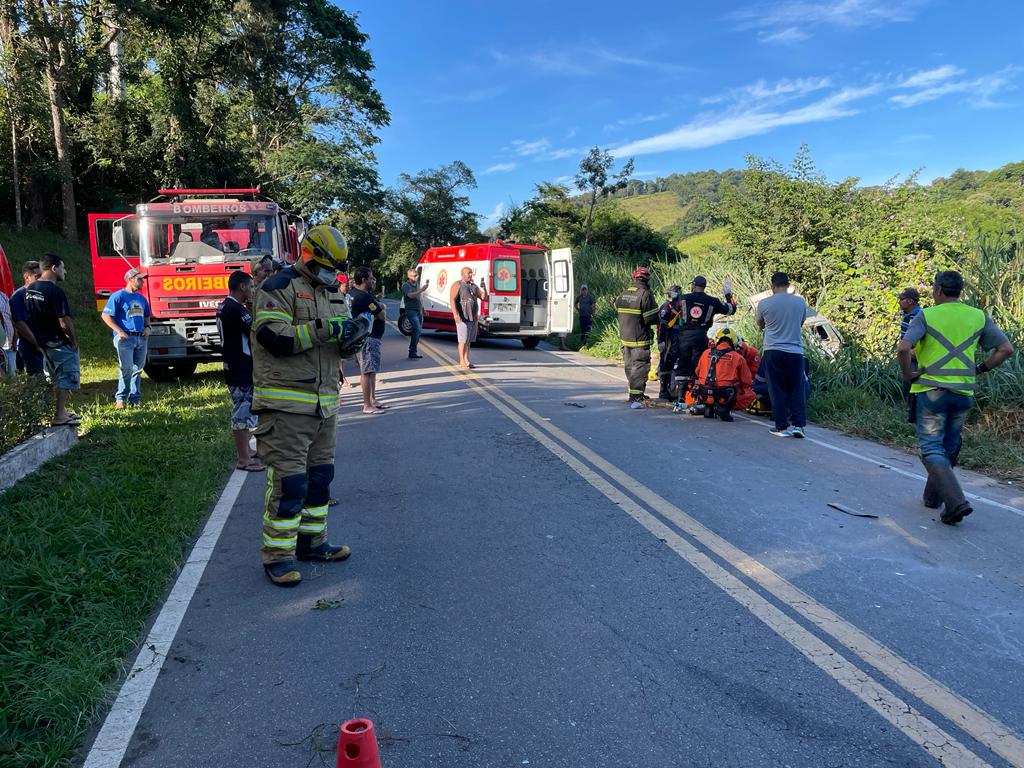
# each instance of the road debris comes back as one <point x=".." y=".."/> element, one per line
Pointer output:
<point x="852" y="512"/>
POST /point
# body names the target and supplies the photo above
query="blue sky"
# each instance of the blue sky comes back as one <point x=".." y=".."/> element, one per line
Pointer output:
<point x="520" y="90"/>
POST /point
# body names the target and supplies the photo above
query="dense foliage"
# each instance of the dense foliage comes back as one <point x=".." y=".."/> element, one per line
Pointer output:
<point x="109" y="100"/>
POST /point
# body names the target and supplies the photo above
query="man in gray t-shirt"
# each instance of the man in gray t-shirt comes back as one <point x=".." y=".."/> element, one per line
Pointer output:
<point x="411" y="292"/>
<point x="781" y="316"/>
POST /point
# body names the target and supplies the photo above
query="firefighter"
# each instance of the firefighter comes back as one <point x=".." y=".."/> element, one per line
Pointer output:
<point x="669" y="318"/>
<point x="699" y="312"/>
<point x="298" y="321"/>
<point x="722" y="378"/>
<point x="637" y="311"/>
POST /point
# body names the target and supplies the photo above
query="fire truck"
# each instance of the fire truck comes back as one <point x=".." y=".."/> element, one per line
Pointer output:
<point x="188" y="242"/>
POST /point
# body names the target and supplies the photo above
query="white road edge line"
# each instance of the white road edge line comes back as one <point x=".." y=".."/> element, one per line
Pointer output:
<point x="823" y="444"/>
<point x="108" y="750"/>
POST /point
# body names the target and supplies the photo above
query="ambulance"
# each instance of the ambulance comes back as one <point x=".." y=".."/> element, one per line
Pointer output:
<point x="530" y="290"/>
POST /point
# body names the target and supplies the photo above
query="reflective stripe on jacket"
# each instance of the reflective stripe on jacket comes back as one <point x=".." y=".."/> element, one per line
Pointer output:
<point x="946" y="353"/>
<point x="638" y="311"/>
<point x="295" y="363"/>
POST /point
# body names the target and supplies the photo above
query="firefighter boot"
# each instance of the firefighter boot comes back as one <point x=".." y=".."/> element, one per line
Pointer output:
<point x="324" y="552"/>
<point x="948" y="487"/>
<point x="284" y="573"/>
<point x="725" y="413"/>
<point x="710" y="411"/>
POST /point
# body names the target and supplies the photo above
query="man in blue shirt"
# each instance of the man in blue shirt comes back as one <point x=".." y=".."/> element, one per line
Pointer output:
<point x="30" y="357"/>
<point x="127" y="315"/>
<point x="910" y="305"/>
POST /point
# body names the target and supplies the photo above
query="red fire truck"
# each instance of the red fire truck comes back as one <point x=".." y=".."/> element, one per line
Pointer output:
<point x="187" y="242"/>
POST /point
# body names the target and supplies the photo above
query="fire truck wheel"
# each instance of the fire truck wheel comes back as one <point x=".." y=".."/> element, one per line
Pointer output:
<point x="170" y="372"/>
<point x="404" y="326"/>
<point x="530" y="342"/>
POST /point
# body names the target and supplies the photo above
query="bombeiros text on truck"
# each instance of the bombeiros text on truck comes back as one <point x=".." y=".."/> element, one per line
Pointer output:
<point x="530" y="289"/>
<point x="188" y="242"/>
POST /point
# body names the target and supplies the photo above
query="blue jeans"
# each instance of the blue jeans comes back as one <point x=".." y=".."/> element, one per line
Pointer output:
<point x="940" y="420"/>
<point x="131" y="357"/>
<point x="416" y="323"/>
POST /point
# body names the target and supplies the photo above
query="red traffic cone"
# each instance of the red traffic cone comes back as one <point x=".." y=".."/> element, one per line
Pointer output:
<point x="357" y="745"/>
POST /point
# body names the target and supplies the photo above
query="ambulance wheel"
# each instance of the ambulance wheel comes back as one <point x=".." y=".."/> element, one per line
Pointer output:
<point x="170" y="371"/>
<point x="530" y="342"/>
<point x="404" y="326"/>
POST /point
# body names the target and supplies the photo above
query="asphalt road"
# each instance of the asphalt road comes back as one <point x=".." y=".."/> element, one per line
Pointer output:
<point x="544" y="577"/>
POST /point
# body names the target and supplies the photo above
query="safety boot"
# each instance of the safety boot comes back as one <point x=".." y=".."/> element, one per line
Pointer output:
<point x="709" y="412"/>
<point x="324" y="552"/>
<point x="725" y="413"/>
<point x="284" y="573"/>
<point x="948" y="489"/>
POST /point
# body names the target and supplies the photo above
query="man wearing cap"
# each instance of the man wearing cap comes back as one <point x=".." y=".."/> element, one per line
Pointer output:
<point x="909" y="301"/>
<point x="944" y="338"/>
<point x="127" y="314"/>
<point x="699" y="312"/>
<point x="637" y="311"/>
<point x="585" y="303"/>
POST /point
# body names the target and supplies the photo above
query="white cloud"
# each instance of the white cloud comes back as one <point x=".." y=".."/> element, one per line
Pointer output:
<point x="635" y="120"/>
<point x="981" y="91"/>
<point x="747" y="120"/>
<point x="929" y="77"/>
<point x="531" y="148"/>
<point x="791" y="21"/>
<point x="581" y="60"/>
<point x="499" y="168"/>
<point x="490" y="219"/>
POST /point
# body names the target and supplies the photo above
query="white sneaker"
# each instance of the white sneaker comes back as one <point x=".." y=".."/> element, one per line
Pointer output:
<point x="781" y="432"/>
<point x="797" y="432"/>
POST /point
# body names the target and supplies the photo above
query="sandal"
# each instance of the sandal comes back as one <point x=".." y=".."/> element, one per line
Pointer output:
<point x="70" y="421"/>
<point x="252" y="466"/>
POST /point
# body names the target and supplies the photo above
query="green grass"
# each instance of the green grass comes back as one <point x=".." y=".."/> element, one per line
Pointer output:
<point x="659" y="211"/>
<point x="91" y="540"/>
<point x="704" y="244"/>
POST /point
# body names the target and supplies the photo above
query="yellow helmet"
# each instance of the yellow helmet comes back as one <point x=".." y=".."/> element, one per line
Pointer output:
<point x="728" y="334"/>
<point x="325" y="246"/>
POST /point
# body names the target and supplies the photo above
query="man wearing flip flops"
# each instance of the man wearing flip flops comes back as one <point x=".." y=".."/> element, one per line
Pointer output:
<point x="49" y="318"/>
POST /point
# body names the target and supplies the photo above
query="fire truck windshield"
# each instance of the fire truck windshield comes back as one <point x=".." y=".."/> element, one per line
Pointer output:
<point x="206" y="239"/>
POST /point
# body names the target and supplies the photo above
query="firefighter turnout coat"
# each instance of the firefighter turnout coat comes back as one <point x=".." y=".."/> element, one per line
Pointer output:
<point x="638" y="311"/>
<point x="295" y="362"/>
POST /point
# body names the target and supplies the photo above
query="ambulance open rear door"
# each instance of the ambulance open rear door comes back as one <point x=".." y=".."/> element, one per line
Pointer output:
<point x="560" y="293"/>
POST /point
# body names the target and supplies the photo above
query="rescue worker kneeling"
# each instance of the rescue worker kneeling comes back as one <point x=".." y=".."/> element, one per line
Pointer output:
<point x="299" y="319"/>
<point x="723" y="379"/>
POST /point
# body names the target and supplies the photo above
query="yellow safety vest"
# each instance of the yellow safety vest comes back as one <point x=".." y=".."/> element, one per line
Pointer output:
<point x="946" y="353"/>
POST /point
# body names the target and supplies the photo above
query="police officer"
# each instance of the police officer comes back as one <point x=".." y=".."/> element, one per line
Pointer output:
<point x="298" y="320"/>
<point x="699" y="312"/>
<point x="945" y="337"/>
<point x="669" y="322"/>
<point x="637" y="311"/>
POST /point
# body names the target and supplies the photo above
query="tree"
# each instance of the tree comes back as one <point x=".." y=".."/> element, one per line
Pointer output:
<point x="431" y="209"/>
<point x="593" y="178"/>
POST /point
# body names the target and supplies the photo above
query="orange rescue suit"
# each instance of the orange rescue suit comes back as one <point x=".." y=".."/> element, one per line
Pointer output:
<point x="731" y="371"/>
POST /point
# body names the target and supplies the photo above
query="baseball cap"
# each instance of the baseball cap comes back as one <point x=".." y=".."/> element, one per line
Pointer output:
<point x="910" y="293"/>
<point x="132" y="273"/>
<point x="700" y="281"/>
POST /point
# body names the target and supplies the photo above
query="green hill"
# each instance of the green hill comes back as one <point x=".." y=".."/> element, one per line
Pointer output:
<point x="660" y="211"/>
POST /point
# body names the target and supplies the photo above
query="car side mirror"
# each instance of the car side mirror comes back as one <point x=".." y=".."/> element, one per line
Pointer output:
<point x="118" y="238"/>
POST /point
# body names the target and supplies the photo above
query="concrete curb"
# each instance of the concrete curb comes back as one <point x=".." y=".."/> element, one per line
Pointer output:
<point x="30" y="455"/>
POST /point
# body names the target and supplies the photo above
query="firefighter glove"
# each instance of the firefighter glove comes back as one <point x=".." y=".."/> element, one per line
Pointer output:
<point x="336" y="327"/>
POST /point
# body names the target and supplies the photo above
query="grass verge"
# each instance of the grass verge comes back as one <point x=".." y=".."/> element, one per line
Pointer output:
<point x="91" y="540"/>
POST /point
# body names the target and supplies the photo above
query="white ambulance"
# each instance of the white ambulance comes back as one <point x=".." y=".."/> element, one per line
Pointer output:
<point x="530" y="289"/>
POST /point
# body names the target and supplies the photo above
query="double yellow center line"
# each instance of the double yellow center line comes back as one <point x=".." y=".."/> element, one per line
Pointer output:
<point x="652" y="511"/>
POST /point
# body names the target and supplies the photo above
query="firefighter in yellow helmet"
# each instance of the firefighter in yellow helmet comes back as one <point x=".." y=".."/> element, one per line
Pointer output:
<point x="299" y="319"/>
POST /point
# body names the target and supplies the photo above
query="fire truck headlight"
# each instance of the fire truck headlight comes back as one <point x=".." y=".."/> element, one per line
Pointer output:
<point x="160" y="330"/>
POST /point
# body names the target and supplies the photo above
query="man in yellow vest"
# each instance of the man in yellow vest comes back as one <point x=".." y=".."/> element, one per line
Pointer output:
<point x="299" y="320"/>
<point x="945" y="338"/>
